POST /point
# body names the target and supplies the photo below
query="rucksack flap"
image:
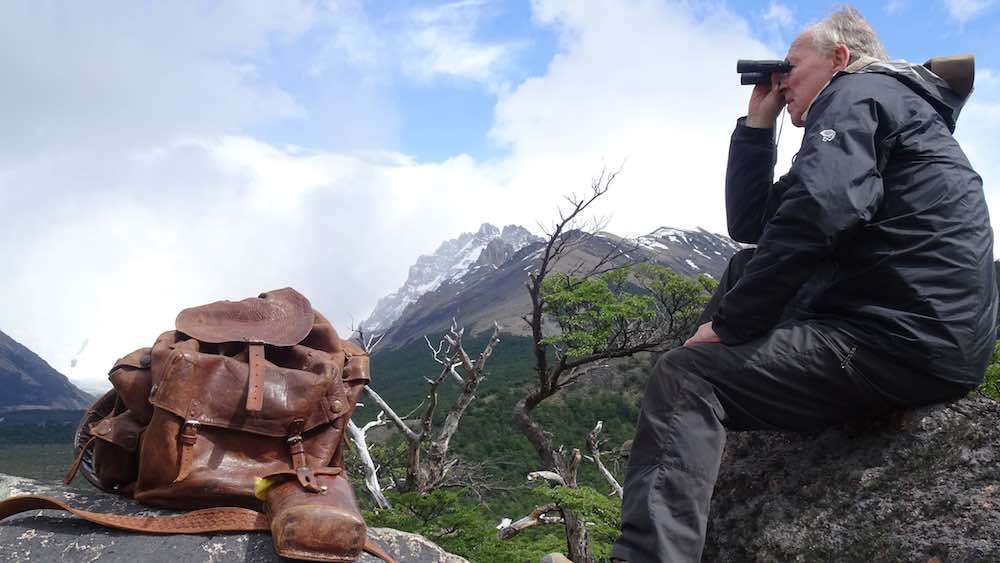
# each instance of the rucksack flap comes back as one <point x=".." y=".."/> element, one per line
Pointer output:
<point x="282" y="317"/>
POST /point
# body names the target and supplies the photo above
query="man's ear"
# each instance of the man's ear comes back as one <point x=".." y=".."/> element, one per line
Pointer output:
<point x="841" y="57"/>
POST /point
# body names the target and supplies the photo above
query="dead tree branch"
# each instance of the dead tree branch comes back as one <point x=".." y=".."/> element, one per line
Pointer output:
<point x="539" y="516"/>
<point x="398" y="422"/>
<point x="367" y="341"/>
<point x="593" y="446"/>
<point x="474" y="375"/>
<point x="428" y="464"/>
<point x="550" y="476"/>
<point x="358" y="436"/>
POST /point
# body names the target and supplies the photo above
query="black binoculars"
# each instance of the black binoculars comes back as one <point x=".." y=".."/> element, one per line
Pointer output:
<point x="759" y="72"/>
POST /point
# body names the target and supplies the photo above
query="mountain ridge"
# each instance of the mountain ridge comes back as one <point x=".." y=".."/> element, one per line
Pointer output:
<point x="489" y="291"/>
<point x="451" y="259"/>
<point x="29" y="382"/>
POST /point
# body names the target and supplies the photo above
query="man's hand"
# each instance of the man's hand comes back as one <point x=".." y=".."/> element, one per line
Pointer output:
<point x="766" y="102"/>
<point x="704" y="335"/>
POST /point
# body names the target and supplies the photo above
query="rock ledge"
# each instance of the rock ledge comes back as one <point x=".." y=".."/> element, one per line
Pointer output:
<point x="58" y="536"/>
<point x="915" y="487"/>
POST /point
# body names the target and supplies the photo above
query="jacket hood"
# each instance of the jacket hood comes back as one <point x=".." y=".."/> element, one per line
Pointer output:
<point x="941" y="95"/>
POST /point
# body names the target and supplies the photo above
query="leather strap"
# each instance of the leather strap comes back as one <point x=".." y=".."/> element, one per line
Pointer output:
<point x="297" y="451"/>
<point x="255" y="383"/>
<point x="76" y="462"/>
<point x="373" y="548"/>
<point x="228" y="519"/>
<point x="187" y="438"/>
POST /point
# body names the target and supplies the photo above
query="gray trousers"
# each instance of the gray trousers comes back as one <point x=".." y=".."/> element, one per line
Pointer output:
<point x="802" y="376"/>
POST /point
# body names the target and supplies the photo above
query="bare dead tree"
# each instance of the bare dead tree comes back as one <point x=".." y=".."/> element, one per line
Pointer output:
<point x="359" y="437"/>
<point x="594" y="447"/>
<point x="556" y="374"/>
<point x="428" y="464"/>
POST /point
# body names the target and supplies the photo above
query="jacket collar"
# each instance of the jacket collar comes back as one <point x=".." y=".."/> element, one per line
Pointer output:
<point x="858" y="65"/>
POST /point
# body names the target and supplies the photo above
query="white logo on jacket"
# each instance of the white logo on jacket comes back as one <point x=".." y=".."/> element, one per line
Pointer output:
<point x="827" y="135"/>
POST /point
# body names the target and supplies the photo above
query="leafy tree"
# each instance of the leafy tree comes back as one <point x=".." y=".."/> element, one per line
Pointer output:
<point x="590" y="311"/>
<point x="602" y="514"/>
<point x="605" y="309"/>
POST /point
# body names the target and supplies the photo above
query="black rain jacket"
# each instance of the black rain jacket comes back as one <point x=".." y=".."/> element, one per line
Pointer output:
<point x="880" y="226"/>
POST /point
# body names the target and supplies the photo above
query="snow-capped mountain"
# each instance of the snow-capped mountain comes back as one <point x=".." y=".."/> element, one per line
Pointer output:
<point x="691" y="252"/>
<point x="452" y="260"/>
<point x="492" y="288"/>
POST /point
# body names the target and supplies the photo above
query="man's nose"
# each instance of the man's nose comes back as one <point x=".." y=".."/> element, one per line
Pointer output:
<point x="783" y="83"/>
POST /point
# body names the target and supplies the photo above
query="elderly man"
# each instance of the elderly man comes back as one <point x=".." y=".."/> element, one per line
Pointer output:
<point x="871" y="287"/>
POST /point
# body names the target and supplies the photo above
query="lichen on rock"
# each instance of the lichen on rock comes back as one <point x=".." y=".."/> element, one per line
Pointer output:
<point x="907" y="487"/>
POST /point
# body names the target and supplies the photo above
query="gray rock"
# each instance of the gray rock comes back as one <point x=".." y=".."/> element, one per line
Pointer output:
<point x="58" y="536"/>
<point x="912" y="488"/>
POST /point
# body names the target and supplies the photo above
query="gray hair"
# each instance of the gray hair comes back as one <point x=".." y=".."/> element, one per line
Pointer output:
<point x="847" y="27"/>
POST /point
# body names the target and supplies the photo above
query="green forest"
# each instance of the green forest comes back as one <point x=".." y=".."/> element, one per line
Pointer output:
<point x="487" y="436"/>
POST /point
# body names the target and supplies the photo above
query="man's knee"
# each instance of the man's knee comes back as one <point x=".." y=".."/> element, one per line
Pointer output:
<point x="677" y="372"/>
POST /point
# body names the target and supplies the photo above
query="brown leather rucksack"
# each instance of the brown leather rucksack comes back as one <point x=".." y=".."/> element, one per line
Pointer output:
<point x="240" y="412"/>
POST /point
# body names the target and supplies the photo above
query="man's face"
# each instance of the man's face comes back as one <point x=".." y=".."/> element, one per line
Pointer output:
<point x="811" y="71"/>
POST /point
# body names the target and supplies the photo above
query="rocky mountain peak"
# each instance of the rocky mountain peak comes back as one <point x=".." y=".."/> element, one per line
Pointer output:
<point x="496" y="253"/>
<point x="487" y="230"/>
<point x="452" y="260"/>
<point x="517" y="236"/>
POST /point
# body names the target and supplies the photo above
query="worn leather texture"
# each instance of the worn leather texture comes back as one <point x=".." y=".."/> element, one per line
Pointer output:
<point x="239" y="391"/>
<point x="281" y="317"/>
<point x="326" y="527"/>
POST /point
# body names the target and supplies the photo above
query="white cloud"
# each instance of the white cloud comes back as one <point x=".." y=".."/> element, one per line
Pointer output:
<point x="441" y="41"/>
<point x="965" y="10"/>
<point x="354" y="36"/>
<point x="668" y="117"/>
<point x="777" y="23"/>
<point x="419" y="43"/>
<point x="135" y="73"/>
<point x="779" y="14"/>
<point x="894" y="7"/>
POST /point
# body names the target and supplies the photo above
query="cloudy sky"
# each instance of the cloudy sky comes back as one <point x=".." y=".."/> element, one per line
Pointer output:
<point x="155" y="156"/>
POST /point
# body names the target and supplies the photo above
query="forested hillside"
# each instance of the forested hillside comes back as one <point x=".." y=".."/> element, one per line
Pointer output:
<point x="488" y="437"/>
<point x="487" y="433"/>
